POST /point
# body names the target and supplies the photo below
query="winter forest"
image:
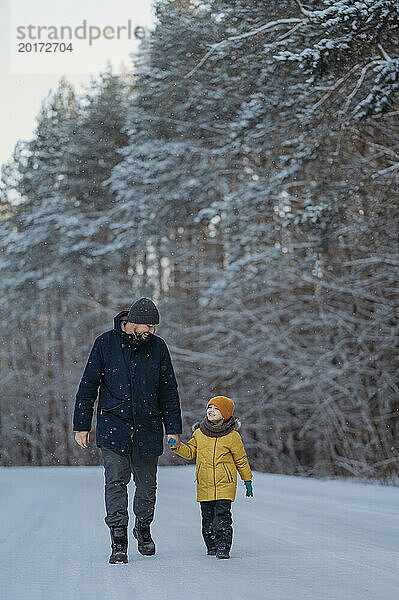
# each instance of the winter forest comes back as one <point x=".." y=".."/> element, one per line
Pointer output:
<point x="243" y="173"/>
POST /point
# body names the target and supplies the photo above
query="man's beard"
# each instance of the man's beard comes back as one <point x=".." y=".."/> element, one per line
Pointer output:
<point x="143" y="337"/>
<point x="139" y="337"/>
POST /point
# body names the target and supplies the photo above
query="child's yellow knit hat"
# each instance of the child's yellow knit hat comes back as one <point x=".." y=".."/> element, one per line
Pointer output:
<point x="224" y="404"/>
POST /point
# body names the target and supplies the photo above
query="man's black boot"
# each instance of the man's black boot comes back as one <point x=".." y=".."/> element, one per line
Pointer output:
<point x="119" y="544"/>
<point x="145" y="543"/>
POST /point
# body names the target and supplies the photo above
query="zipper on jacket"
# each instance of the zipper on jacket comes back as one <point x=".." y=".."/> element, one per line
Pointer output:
<point x="112" y="407"/>
<point x="214" y="469"/>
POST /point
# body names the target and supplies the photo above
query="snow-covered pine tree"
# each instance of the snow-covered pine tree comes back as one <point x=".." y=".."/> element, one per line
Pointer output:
<point x="33" y="290"/>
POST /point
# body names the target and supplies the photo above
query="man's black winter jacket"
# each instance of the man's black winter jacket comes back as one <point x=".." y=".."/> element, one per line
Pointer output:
<point x="138" y="392"/>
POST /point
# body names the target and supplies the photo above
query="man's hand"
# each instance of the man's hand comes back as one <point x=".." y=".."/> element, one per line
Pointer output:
<point x="82" y="438"/>
<point x="175" y="436"/>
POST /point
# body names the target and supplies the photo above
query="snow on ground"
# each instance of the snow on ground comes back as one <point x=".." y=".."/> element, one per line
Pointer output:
<point x="297" y="539"/>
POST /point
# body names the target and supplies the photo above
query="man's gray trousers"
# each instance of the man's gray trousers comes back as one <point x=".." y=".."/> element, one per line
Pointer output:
<point x="117" y="471"/>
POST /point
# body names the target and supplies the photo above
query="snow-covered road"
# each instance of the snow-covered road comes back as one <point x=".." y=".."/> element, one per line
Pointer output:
<point x="297" y="539"/>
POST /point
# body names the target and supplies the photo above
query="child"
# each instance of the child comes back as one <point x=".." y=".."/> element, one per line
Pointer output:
<point x="220" y="453"/>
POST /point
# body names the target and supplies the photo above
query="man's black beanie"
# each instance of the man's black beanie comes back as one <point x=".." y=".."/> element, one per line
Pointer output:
<point x="143" y="312"/>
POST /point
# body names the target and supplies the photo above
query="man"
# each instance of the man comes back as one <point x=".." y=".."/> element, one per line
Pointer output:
<point x="138" y="395"/>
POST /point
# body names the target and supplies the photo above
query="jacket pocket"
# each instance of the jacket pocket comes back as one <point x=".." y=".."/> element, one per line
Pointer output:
<point x="228" y="474"/>
<point x="156" y="411"/>
<point x="111" y="408"/>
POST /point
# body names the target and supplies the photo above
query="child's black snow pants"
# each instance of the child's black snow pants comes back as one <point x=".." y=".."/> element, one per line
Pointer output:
<point x="217" y="529"/>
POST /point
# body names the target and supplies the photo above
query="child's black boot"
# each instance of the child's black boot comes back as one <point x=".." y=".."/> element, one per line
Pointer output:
<point x="209" y="539"/>
<point x="222" y="553"/>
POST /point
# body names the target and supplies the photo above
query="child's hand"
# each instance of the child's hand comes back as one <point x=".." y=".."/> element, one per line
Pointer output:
<point x="173" y="440"/>
<point x="249" y="491"/>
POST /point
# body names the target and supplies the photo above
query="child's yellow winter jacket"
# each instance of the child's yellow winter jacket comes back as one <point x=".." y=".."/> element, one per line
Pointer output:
<point x="218" y="460"/>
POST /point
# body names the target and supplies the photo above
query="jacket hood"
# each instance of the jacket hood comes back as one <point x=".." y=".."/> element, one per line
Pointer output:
<point x="117" y="321"/>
